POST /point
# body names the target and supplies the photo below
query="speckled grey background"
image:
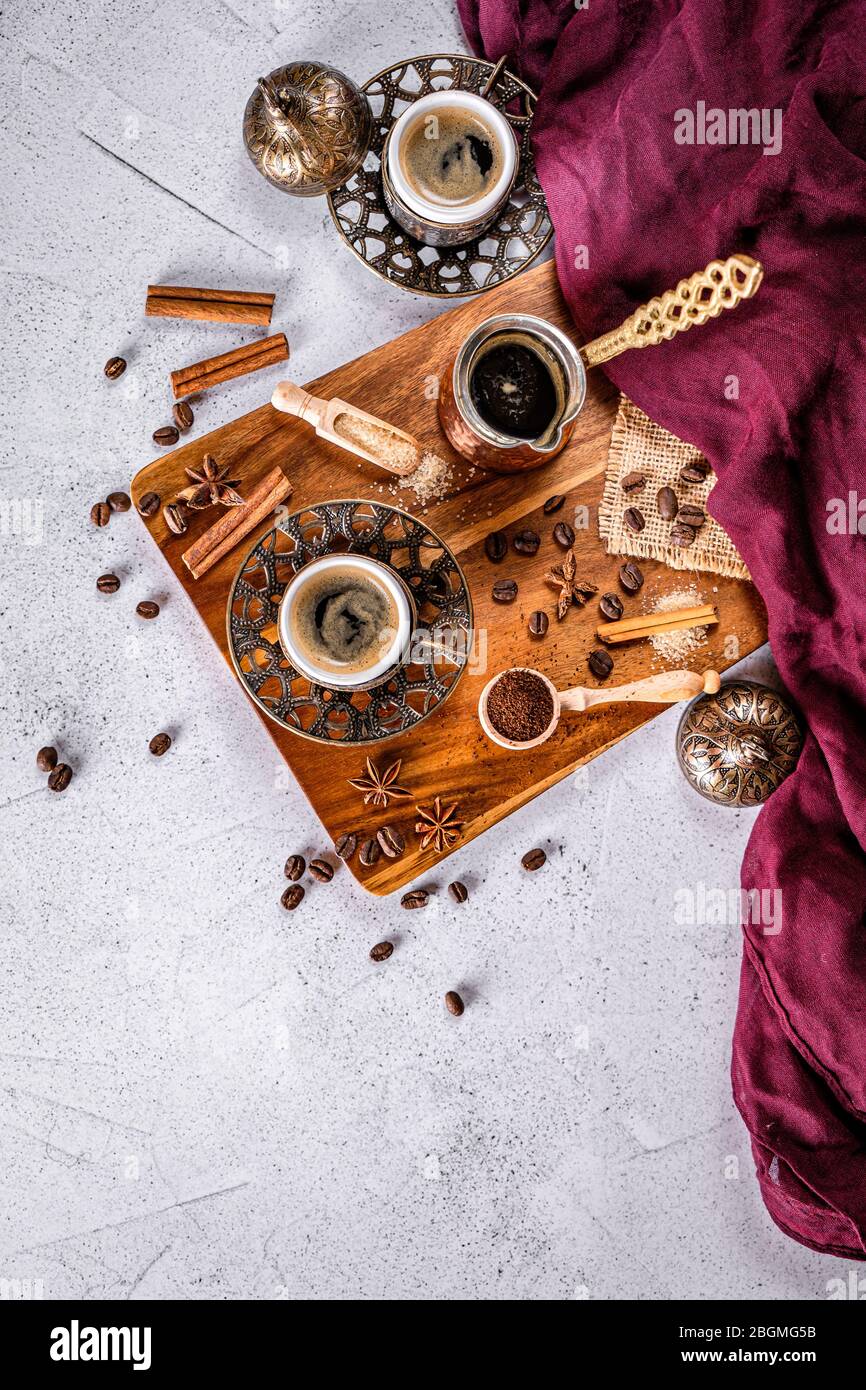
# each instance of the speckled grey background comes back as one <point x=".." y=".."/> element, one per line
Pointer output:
<point x="201" y="1096"/>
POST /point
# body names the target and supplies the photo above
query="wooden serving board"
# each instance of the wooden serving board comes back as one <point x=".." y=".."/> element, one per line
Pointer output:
<point x="448" y="754"/>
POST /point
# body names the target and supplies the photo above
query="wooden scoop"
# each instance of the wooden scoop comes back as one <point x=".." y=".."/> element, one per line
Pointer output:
<point x="668" y="688"/>
<point x="361" y="434"/>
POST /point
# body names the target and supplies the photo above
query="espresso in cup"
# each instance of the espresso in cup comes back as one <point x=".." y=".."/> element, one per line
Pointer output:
<point x="451" y="156"/>
<point x="343" y="621"/>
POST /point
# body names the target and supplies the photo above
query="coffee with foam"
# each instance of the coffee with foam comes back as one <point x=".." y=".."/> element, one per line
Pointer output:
<point x="451" y="157"/>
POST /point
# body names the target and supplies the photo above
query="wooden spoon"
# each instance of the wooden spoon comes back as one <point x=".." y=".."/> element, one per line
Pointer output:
<point x="367" y="429"/>
<point x="667" y="688"/>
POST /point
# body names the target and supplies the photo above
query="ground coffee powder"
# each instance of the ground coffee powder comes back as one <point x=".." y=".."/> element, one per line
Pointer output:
<point x="520" y="705"/>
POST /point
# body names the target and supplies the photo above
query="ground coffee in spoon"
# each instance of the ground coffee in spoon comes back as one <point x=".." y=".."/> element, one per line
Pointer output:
<point x="520" y="706"/>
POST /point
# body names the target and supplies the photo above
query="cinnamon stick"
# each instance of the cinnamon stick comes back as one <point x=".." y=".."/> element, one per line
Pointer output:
<point x="211" y="306"/>
<point x="632" y="629"/>
<point x="200" y="376"/>
<point x="237" y="522"/>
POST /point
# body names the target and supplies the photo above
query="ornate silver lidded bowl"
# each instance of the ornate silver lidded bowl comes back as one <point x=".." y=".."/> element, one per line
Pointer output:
<point x="307" y="128"/>
<point x="738" y="746"/>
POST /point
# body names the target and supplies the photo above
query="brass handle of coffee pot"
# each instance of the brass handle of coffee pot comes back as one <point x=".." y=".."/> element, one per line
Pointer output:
<point x="702" y="296"/>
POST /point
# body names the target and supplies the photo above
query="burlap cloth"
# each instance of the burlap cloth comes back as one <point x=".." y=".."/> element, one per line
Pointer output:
<point x="638" y="445"/>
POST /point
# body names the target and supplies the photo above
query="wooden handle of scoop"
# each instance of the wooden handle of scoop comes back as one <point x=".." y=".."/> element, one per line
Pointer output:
<point x="667" y="688"/>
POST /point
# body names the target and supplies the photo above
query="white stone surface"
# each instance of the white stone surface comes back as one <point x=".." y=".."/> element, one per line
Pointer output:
<point x="199" y="1095"/>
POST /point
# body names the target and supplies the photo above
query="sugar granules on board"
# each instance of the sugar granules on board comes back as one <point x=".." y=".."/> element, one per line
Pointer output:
<point x="678" y="645"/>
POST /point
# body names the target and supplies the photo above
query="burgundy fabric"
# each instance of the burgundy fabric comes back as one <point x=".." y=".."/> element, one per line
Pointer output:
<point x="649" y="211"/>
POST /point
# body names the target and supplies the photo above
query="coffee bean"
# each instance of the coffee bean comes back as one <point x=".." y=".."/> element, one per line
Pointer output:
<point x="345" y="846"/>
<point x="634" y="519"/>
<point x="553" y="504"/>
<point x="381" y="951"/>
<point x="183" y="416"/>
<point x="682" y="536"/>
<point x="391" y="842"/>
<point x="100" y="513"/>
<point x="668" y="503"/>
<point x="504" y="591"/>
<point x="119" y="501"/>
<point x="108" y="583"/>
<point x="633" y="482"/>
<point x="46" y="759"/>
<point x="114" y="367"/>
<point x="159" y="744"/>
<point x="695" y="472"/>
<point x="165" y="436"/>
<point x="148" y="505"/>
<point x="322" y="870"/>
<point x="419" y="897"/>
<point x="453" y="1003"/>
<point x="610" y="606"/>
<point x="147" y="608"/>
<point x="533" y="859"/>
<point x="496" y="546"/>
<point x="600" y="664"/>
<point x="292" y="896"/>
<point x="563" y="534"/>
<point x="691" y="515"/>
<point x="538" y="623"/>
<point x="294" y="867"/>
<point x="526" y="542"/>
<point x="60" y="777"/>
<point x="370" y="852"/>
<point x="175" y="518"/>
<point x="630" y="577"/>
<point x="458" y="891"/>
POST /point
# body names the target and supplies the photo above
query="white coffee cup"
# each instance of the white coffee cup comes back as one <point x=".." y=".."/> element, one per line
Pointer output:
<point x="426" y="216"/>
<point x="395" y="641"/>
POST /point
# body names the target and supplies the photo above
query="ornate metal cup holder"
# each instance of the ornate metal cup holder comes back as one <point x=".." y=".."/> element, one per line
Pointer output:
<point x="441" y="642"/>
<point x="503" y="250"/>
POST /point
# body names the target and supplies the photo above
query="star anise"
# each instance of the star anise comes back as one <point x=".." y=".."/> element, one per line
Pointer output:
<point x="571" y="590"/>
<point x="379" y="787"/>
<point x="210" y="486"/>
<point x="438" y="826"/>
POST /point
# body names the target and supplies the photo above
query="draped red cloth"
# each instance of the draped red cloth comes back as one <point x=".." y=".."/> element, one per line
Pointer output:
<point x="790" y="452"/>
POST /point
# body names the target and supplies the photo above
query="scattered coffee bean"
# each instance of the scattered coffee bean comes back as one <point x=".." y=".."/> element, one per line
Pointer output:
<point x="633" y="482"/>
<point x="381" y="951"/>
<point x="114" y="367"/>
<point x="682" y="536"/>
<point x="322" y="870"/>
<point x="504" y="591"/>
<point x="165" y="436"/>
<point x="600" y="664"/>
<point x="292" y="896"/>
<point x="538" y="623"/>
<point x="526" y="542"/>
<point x="294" y="868"/>
<point x="183" y="416"/>
<point x="159" y="744"/>
<point x="533" y="859"/>
<point x="695" y="472"/>
<point x="634" y="519"/>
<point x="345" y="847"/>
<point x="147" y="608"/>
<point x="563" y="534"/>
<point x="46" y="758"/>
<point x="453" y="1003"/>
<point x="100" y="513"/>
<point x="553" y="504"/>
<point x="496" y="546"/>
<point x="691" y="515"/>
<point x="108" y="583"/>
<point x="119" y="501"/>
<point x="610" y="606"/>
<point x="630" y="577"/>
<point x="458" y="891"/>
<point x="175" y="518"/>
<point x="668" y="503"/>
<point x="419" y="897"/>
<point x="148" y="505"/>
<point x="60" y="777"/>
<point x="391" y="842"/>
<point x="370" y="852"/>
